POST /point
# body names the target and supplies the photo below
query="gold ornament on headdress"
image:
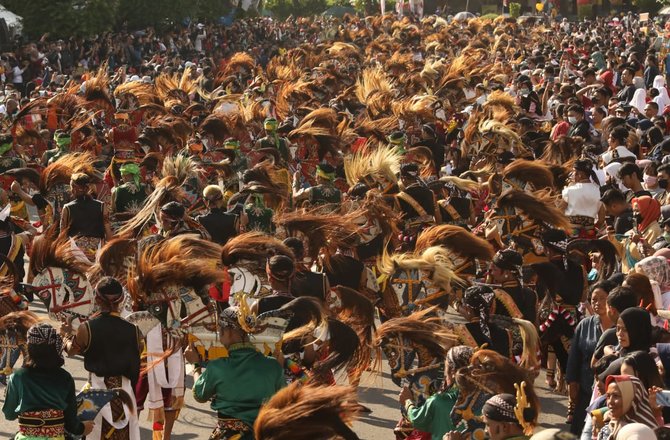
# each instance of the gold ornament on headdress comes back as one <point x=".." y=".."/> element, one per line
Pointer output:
<point x="245" y="313"/>
<point x="521" y="404"/>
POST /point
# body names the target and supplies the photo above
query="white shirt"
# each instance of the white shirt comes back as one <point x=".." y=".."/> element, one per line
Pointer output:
<point x="17" y="75"/>
<point x="583" y="199"/>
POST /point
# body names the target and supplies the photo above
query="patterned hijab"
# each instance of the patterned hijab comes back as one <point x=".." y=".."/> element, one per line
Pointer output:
<point x="635" y="403"/>
<point x="44" y="333"/>
<point x="657" y="269"/>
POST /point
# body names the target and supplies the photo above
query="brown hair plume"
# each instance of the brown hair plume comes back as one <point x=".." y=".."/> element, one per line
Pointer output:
<point x="308" y="412"/>
<point x="111" y="259"/>
<point x="420" y="329"/>
<point x="320" y="125"/>
<point x="184" y="260"/>
<point x="457" y="239"/>
<point x="533" y="172"/>
<point x="254" y="246"/>
<point x="539" y="207"/>
<point x="322" y="230"/>
<point x="51" y="250"/>
<point x="357" y="311"/>
<point x="62" y="170"/>
<point x="168" y="189"/>
<point x="497" y="373"/>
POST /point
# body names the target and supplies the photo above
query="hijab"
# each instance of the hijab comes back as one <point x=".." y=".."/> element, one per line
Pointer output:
<point x="657" y="269"/>
<point x="639" y="100"/>
<point x="650" y="210"/>
<point x="663" y="100"/>
<point x="638" y="326"/>
<point x="637" y="431"/>
<point x="635" y="404"/>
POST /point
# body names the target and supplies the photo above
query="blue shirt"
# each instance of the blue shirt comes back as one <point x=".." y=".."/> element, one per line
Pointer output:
<point x="583" y="345"/>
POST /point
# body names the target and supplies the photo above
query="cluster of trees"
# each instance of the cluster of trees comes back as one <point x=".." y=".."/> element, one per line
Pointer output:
<point x="65" y="18"/>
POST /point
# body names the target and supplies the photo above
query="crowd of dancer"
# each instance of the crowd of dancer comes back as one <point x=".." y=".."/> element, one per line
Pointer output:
<point x="267" y="205"/>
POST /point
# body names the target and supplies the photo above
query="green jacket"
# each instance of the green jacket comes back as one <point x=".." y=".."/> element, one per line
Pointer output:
<point x="433" y="415"/>
<point x="239" y="384"/>
<point x="38" y="389"/>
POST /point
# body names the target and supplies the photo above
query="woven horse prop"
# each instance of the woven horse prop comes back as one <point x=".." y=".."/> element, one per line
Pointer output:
<point x="169" y="280"/>
<point x="415" y="347"/>
<point x="467" y="252"/>
<point x="521" y="217"/>
<point x="60" y="279"/>
<point x="411" y="282"/>
<point x="488" y="374"/>
<point x="244" y="258"/>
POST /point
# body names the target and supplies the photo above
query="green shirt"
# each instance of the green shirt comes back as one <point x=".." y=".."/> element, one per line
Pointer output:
<point x="240" y="383"/>
<point x="433" y="415"/>
<point x="38" y="389"/>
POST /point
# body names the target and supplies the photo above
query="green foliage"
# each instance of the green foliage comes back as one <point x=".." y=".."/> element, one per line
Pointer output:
<point x="139" y="14"/>
<point x="515" y="10"/>
<point x="651" y="6"/>
<point x="584" y="11"/>
<point x="284" y="8"/>
<point x="64" y="18"/>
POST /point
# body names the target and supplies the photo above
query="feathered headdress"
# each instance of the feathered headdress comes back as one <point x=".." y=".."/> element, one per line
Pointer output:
<point x="307" y="412"/>
<point x="322" y="230"/>
<point x="539" y="207"/>
<point x="184" y="260"/>
<point x="373" y="167"/>
<point x="457" y="240"/>
<point x="52" y="250"/>
<point x="255" y="246"/>
<point x="434" y="260"/>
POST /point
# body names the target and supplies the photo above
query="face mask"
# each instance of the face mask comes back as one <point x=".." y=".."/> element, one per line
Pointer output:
<point x="572" y="119"/>
<point x="650" y="180"/>
<point x="469" y="93"/>
<point x="638" y="218"/>
<point x="439" y="114"/>
<point x="524" y="92"/>
<point x="663" y="183"/>
<point x="666" y="236"/>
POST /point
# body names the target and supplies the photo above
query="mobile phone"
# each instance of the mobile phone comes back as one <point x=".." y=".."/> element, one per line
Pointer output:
<point x="663" y="398"/>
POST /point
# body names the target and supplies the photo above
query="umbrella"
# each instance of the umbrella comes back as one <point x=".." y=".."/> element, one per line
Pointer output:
<point x="339" y="11"/>
<point x="463" y="16"/>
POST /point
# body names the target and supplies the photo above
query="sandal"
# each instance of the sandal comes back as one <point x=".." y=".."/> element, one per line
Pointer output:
<point x="571" y="413"/>
<point x="551" y="381"/>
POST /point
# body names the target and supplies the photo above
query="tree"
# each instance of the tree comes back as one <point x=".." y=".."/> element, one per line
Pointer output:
<point x="64" y="18"/>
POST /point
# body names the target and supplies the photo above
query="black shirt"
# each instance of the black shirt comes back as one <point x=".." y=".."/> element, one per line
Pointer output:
<point x="86" y="217"/>
<point x="114" y="348"/>
<point x="625" y="95"/>
<point x="581" y="129"/>
<point x="221" y="225"/>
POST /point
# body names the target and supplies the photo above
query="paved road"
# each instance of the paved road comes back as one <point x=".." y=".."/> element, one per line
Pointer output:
<point x="376" y="391"/>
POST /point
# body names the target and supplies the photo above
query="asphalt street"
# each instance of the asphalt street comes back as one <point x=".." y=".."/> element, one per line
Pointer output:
<point x="376" y="391"/>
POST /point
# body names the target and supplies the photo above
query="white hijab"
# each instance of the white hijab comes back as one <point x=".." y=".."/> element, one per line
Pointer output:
<point x="663" y="100"/>
<point x="639" y="100"/>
